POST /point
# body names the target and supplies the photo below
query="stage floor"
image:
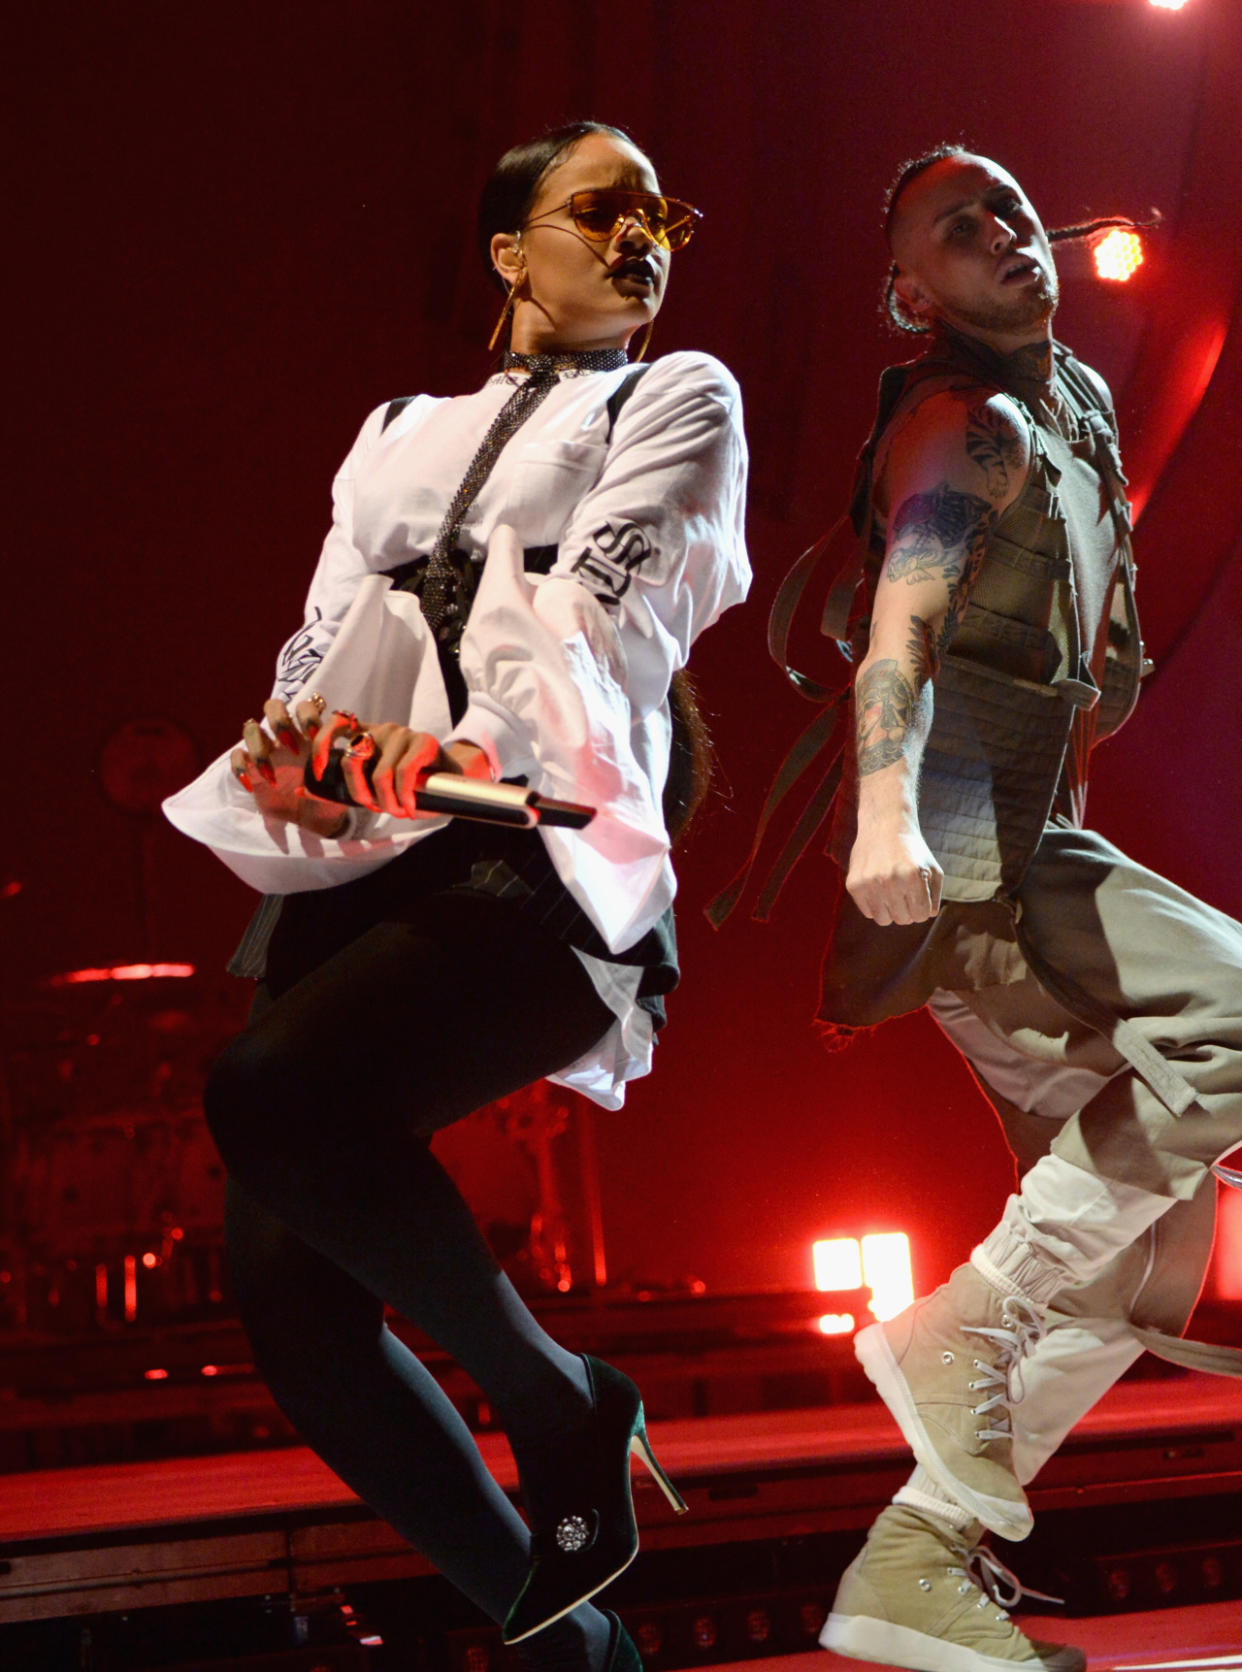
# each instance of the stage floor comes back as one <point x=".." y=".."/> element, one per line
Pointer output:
<point x="116" y="1537"/>
<point x="1204" y="1639"/>
<point x="111" y="1498"/>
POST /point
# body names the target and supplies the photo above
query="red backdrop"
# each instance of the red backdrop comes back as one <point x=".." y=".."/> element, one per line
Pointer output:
<point x="242" y="227"/>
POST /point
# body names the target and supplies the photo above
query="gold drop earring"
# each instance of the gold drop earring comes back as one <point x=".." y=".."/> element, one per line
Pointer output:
<point x="507" y="311"/>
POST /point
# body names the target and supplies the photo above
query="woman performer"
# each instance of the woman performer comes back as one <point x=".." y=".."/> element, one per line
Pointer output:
<point x="419" y="969"/>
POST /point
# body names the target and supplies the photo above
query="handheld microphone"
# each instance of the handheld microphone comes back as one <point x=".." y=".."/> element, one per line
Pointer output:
<point x="462" y="798"/>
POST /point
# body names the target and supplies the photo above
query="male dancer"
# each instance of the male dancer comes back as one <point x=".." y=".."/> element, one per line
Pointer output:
<point x="1099" y="1006"/>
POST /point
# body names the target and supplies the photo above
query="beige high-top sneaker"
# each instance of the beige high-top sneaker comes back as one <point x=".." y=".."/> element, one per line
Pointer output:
<point x="949" y="1369"/>
<point x="912" y="1597"/>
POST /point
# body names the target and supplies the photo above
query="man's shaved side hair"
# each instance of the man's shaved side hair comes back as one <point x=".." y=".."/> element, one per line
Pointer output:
<point x="910" y="170"/>
<point x="890" y="303"/>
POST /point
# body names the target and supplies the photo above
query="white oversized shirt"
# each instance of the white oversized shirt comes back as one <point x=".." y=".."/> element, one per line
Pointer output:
<point x="567" y="673"/>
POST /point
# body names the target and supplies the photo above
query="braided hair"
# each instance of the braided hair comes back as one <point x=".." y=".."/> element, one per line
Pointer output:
<point x="890" y="303"/>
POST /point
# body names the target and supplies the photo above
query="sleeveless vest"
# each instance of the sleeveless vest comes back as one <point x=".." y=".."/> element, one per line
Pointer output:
<point x="1017" y="704"/>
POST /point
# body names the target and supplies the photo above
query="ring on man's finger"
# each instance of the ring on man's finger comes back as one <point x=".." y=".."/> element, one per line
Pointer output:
<point x="317" y="702"/>
<point x="361" y="748"/>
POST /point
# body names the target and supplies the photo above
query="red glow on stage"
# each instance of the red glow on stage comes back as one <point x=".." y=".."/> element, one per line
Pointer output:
<point x="210" y="1370"/>
<point x="155" y="1375"/>
<point x="1118" y="255"/>
<point x="150" y="1261"/>
<point x="124" y="972"/>
<point x="1168" y="5"/>
<point x="1185" y="388"/>
<point x="1227" y="1255"/>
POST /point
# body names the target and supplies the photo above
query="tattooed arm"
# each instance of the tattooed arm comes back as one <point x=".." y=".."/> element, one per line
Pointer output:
<point x="956" y="465"/>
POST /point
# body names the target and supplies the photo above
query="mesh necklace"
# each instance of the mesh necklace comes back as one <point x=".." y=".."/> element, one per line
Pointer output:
<point x="566" y="360"/>
<point x="441" y="592"/>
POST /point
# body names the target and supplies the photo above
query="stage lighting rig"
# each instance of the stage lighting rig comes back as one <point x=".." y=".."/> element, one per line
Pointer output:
<point x="1118" y="255"/>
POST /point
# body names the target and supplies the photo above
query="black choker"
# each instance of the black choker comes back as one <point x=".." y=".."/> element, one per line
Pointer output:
<point x="565" y="360"/>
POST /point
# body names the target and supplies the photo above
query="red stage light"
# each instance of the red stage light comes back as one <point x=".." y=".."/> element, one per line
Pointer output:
<point x="124" y="972"/>
<point x="1168" y="5"/>
<point x="1118" y="255"/>
<point x="649" y="1638"/>
<point x="703" y="1630"/>
<point x="837" y="1323"/>
<point x="880" y="1262"/>
<point x="887" y="1273"/>
<point x="155" y="1375"/>
<point x="837" y="1263"/>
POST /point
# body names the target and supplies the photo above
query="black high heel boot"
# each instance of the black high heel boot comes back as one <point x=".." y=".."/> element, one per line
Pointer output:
<point x="622" y="1654"/>
<point x="583" y="1532"/>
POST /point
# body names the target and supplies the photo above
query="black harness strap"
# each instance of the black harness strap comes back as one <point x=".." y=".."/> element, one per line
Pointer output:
<point x="394" y="410"/>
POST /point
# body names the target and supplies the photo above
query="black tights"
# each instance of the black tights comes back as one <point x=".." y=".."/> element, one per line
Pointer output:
<point x="361" y="1045"/>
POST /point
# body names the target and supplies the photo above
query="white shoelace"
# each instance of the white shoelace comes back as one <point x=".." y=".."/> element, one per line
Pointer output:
<point x="1022" y="1328"/>
<point x="998" y="1582"/>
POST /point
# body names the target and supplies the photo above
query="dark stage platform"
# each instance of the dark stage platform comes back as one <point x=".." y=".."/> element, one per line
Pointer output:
<point x="1158" y="1460"/>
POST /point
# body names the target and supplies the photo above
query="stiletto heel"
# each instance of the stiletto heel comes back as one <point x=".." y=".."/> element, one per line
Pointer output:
<point x="640" y="1446"/>
<point x="583" y="1531"/>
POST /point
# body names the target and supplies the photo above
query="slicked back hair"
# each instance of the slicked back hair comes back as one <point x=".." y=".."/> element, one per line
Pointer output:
<point x="514" y="182"/>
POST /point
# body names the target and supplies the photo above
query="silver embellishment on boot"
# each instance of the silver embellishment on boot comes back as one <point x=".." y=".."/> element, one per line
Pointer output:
<point x="572" y="1534"/>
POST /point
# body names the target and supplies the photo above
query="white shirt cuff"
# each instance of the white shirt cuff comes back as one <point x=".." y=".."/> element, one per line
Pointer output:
<point x="491" y="728"/>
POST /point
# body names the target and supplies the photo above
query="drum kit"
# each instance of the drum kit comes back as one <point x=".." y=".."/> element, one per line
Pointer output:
<point x="112" y="1198"/>
<point x="113" y="1194"/>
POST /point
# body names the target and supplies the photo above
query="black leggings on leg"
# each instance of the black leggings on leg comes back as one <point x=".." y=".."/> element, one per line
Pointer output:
<point x="365" y="1043"/>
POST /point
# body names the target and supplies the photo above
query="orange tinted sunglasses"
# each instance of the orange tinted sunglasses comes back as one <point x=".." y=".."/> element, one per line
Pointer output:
<point x="600" y="215"/>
